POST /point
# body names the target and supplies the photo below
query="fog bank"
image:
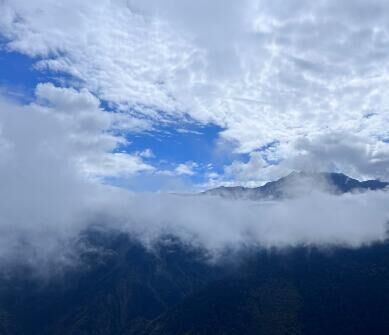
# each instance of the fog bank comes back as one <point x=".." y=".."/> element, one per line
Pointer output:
<point x="45" y="203"/>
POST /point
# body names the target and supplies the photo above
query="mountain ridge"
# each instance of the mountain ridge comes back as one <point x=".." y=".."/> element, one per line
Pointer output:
<point x="297" y="184"/>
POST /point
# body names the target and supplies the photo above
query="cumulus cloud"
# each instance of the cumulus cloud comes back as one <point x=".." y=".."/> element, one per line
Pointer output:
<point x="262" y="71"/>
<point x="186" y="169"/>
<point x="51" y="153"/>
<point x="354" y="155"/>
<point x="41" y="192"/>
<point x="255" y="172"/>
<point x="90" y="131"/>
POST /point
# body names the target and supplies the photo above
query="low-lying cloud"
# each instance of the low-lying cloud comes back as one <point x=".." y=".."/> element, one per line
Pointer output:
<point x="214" y="223"/>
<point x="46" y="202"/>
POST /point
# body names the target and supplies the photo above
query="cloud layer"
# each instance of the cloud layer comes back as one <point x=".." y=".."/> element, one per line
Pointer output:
<point x="293" y="85"/>
<point x="265" y="72"/>
<point x="46" y="201"/>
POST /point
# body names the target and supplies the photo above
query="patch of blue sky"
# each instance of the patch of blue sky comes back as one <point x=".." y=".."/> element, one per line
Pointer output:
<point x="17" y="75"/>
<point x="173" y="143"/>
<point x="194" y="143"/>
<point x="267" y="150"/>
<point x="151" y="182"/>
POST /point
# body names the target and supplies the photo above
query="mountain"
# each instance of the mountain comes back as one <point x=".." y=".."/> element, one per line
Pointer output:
<point x="115" y="288"/>
<point x="298" y="184"/>
<point x="121" y="286"/>
<point x="304" y="291"/>
<point x="173" y="289"/>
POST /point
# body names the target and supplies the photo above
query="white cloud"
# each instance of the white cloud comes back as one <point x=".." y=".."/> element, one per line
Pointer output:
<point x="263" y="71"/>
<point x="147" y="153"/>
<point x="356" y="156"/>
<point x="309" y="77"/>
<point x="90" y="132"/>
<point x="346" y="153"/>
<point x="186" y="169"/>
<point x="181" y="169"/>
<point x="51" y="153"/>
<point x="255" y="172"/>
<point x="42" y="190"/>
<point x="46" y="201"/>
<point x="114" y="165"/>
<point x="318" y="219"/>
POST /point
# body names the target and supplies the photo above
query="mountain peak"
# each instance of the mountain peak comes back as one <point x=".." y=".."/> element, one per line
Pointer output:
<point x="299" y="183"/>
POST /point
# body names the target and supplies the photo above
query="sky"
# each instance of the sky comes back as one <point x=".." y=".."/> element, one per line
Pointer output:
<point x="107" y="107"/>
<point x="187" y="95"/>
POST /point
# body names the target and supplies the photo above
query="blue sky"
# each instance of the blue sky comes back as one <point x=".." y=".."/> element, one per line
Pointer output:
<point x="17" y="74"/>
<point x="190" y="95"/>
<point x="170" y="145"/>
